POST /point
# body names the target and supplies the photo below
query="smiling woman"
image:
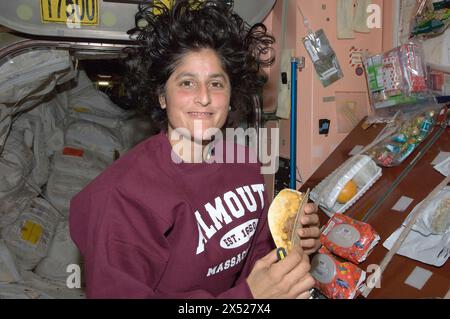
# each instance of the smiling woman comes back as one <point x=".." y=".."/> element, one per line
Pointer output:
<point x="197" y="95"/>
<point x="155" y="226"/>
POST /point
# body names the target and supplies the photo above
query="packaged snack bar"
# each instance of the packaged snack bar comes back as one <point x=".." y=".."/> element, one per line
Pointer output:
<point x="348" y="238"/>
<point x="335" y="279"/>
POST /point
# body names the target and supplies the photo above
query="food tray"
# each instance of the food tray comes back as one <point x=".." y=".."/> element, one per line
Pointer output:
<point x="341" y="208"/>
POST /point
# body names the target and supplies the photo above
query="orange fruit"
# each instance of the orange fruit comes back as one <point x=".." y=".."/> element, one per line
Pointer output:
<point x="350" y="189"/>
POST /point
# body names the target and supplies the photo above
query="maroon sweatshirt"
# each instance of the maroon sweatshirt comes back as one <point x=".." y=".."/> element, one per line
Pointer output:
<point x="150" y="228"/>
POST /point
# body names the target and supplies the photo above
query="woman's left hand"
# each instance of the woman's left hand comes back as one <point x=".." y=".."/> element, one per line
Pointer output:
<point x="310" y="232"/>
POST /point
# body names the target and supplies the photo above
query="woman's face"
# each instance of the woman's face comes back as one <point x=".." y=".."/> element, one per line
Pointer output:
<point x="197" y="95"/>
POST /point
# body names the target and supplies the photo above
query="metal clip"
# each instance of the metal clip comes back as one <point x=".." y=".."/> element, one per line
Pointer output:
<point x="300" y="63"/>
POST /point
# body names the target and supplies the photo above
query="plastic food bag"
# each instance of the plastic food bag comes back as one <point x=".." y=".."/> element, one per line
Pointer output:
<point x="337" y="280"/>
<point x="348" y="238"/>
<point x="429" y="239"/>
<point x="405" y="135"/>
<point x="396" y="78"/>
<point x="334" y="195"/>
<point x="435" y="217"/>
<point x="323" y="56"/>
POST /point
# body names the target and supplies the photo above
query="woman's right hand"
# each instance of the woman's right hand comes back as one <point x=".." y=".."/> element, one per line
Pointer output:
<point x="288" y="278"/>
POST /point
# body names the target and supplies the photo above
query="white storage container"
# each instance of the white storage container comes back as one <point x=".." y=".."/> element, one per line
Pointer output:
<point x="8" y="268"/>
<point x="95" y="137"/>
<point x="29" y="237"/>
<point x="62" y="253"/>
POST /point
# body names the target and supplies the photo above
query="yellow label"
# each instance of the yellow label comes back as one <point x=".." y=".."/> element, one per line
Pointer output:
<point x="74" y="13"/>
<point x="31" y="232"/>
<point x="81" y="109"/>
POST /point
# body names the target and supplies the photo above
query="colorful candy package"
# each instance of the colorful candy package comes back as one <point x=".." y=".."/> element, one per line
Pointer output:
<point x="348" y="238"/>
<point x="407" y="134"/>
<point x="336" y="280"/>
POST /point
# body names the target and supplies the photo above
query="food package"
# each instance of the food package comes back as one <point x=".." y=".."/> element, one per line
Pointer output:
<point x="397" y="77"/>
<point x="323" y="56"/>
<point x="342" y="188"/>
<point x="440" y="223"/>
<point x="393" y="148"/>
<point x="435" y="217"/>
<point x="283" y="213"/>
<point x="348" y="238"/>
<point x="335" y="279"/>
<point x="429" y="240"/>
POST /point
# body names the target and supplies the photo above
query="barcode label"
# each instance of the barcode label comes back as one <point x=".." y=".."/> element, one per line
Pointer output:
<point x="329" y="73"/>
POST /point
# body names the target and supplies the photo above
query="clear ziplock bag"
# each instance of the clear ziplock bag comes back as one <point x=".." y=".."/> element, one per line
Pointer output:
<point x="397" y="80"/>
<point x="323" y="56"/>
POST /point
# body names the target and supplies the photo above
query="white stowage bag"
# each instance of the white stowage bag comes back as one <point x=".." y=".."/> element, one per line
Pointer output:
<point x="53" y="117"/>
<point x="12" y="205"/>
<point x="62" y="253"/>
<point x="79" y="162"/>
<point x="83" y="83"/>
<point x="16" y="163"/>
<point x="29" y="237"/>
<point x="33" y="131"/>
<point x="5" y="123"/>
<point x="88" y="103"/>
<point x="71" y="170"/>
<point x="19" y="291"/>
<point x="8" y="267"/>
<point x="61" y="188"/>
<point x="78" y="114"/>
<point x="26" y="79"/>
<point x="95" y="137"/>
<point x="22" y="75"/>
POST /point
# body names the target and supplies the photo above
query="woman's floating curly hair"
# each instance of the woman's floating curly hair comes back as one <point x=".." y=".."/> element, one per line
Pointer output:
<point x="164" y="35"/>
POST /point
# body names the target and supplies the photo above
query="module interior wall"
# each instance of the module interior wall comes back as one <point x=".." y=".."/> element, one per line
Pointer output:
<point x="312" y="148"/>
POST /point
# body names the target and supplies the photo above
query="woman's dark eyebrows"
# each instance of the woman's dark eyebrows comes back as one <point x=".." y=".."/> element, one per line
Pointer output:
<point x="184" y="74"/>
<point x="189" y="74"/>
<point x="218" y="75"/>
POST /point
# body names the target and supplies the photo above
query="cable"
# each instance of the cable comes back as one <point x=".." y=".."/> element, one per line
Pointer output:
<point x="305" y="20"/>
